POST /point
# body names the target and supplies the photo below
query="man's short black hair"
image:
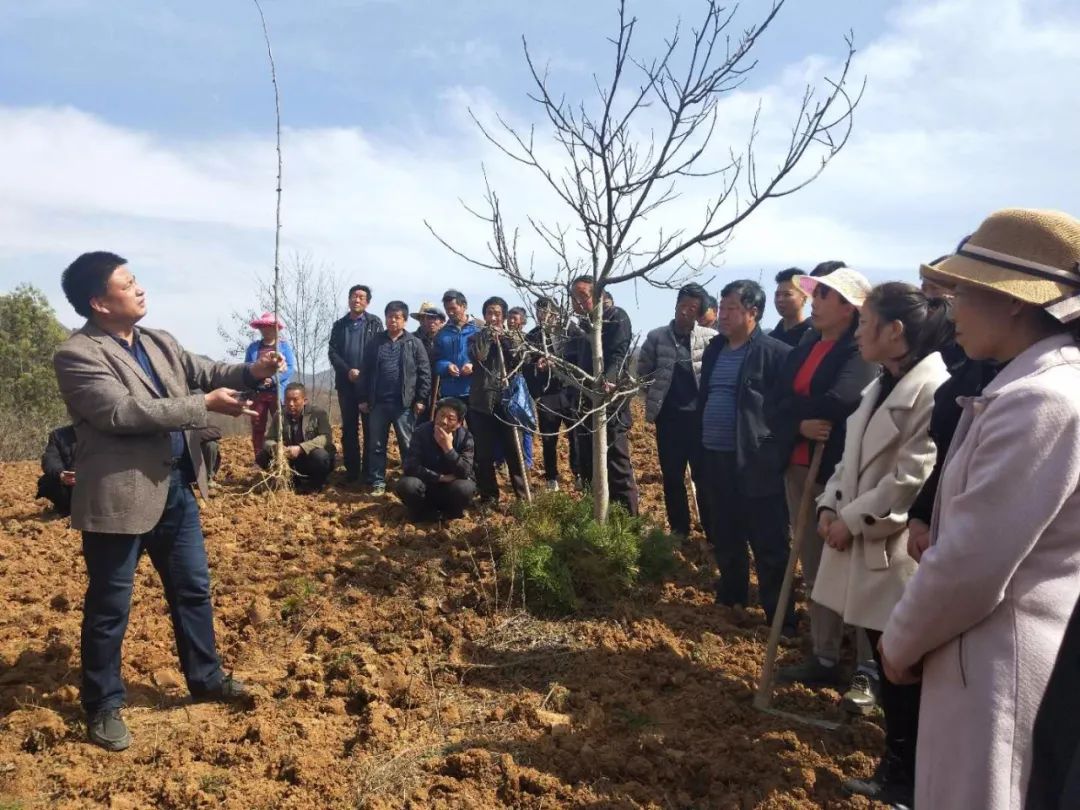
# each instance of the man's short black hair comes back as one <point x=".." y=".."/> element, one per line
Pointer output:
<point x="494" y="300"/>
<point x="546" y="303"/>
<point x="88" y="277"/>
<point x="397" y="306"/>
<point x="454" y="404"/>
<point x="584" y="279"/>
<point x="711" y="303"/>
<point x="608" y="297"/>
<point x="825" y="268"/>
<point x="789" y="274"/>
<point x="456" y="296"/>
<point x="366" y="289"/>
<point x="693" y="290"/>
<point x="518" y="311"/>
<point x="749" y="293"/>
<point x="296" y="386"/>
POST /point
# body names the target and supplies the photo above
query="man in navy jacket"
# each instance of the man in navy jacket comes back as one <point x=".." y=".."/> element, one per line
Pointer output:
<point x="742" y="460"/>
<point x="348" y="340"/>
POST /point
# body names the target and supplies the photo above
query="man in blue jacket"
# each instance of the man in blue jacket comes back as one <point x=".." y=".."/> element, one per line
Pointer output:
<point x="452" y="364"/>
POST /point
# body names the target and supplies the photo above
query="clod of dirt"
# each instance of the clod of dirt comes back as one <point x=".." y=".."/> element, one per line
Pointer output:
<point x="259" y="611"/>
<point x="38" y="728"/>
<point x="167" y="679"/>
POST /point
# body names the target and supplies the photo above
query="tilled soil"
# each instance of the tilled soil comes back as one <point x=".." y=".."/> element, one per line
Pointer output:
<point x="390" y="670"/>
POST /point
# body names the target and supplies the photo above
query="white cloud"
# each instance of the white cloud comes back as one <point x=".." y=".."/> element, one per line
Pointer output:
<point x="968" y="108"/>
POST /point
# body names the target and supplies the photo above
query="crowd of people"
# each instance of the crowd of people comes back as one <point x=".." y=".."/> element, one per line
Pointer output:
<point x="943" y="422"/>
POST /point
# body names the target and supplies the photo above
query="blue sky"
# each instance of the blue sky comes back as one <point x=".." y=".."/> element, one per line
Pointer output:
<point x="146" y="128"/>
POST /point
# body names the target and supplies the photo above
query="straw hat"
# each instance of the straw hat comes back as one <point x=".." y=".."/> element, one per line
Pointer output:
<point x="1031" y="255"/>
<point x="428" y="309"/>
<point x="852" y="285"/>
<point x="266" y="319"/>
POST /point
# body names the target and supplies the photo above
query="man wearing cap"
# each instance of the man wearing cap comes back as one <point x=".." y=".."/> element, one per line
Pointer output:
<point x="128" y="390"/>
<point x="268" y="396"/>
<point x="790" y="301"/>
<point x="431" y="320"/>
<point x="453" y="367"/>
<point x="349" y="338"/>
<point x="982" y="620"/>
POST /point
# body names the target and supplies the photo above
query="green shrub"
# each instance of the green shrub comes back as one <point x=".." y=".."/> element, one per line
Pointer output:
<point x="564" y="559"/>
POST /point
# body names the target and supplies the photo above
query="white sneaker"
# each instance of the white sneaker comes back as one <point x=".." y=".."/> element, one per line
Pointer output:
<point x="552" y="486"/>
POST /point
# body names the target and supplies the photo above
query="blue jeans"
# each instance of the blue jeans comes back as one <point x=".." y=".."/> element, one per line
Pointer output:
<point x="384" y="415"/>
<point x="175" y="546"/>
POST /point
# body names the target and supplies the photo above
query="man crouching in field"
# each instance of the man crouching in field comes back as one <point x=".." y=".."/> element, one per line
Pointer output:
<point x="128" y="392"/>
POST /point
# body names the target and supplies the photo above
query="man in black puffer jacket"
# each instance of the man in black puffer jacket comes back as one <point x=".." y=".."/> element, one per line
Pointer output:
<point x="438" y="468"/>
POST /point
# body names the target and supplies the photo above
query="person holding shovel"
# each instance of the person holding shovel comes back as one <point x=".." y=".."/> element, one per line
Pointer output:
<point x="819" y="387"/>
<point x="494" y="353"/>
<point x="862" y="513"/>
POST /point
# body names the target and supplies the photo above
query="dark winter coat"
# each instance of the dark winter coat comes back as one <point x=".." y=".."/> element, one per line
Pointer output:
<point x="427" y="461"/>
<point x="1055" y="760"/>
<point x="967" y="378"/>
<point x="656" y="363"/>
<point x="793" y="336"/>
<point x="835" y="392"/>
<point x="59" y="453"/>
<point x="415" y="370"/>
<point x="342" y="364"/>
<point x="758" y="454"/>
<point x="616" y="337"/>
<point x="490" y="367"/>
<point x="543" y="383"/>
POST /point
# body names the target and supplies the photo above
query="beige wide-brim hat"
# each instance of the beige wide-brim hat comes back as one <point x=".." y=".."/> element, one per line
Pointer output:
<point x="1028" y="254"/>
<point x="427" y="310"/>
<point x="852" y="285"/>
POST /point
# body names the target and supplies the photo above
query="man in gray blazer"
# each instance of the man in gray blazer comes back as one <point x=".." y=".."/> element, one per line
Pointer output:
<point x="128" y="391"/>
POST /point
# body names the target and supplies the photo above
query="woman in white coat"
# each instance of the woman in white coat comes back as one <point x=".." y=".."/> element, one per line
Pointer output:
<point x="862" y="514"/>
<point x="983" y="618"/>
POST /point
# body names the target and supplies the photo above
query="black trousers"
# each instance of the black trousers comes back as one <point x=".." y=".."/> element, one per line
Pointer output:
<point x="550" y="417"/>
<point x="448" y="499"/>
<point x="738" y="521"/>
<point x="678" y="444"/>
<point x="354" y="426"/>
<point x="310" y="469"/>
<point x="489" y="433"/>
<point x="49" y="486"/>
<point x="900" y="705"/>
<point x="622" y="486"/>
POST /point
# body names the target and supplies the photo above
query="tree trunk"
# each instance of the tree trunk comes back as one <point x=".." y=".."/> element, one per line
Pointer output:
<point x="599" y="420"/>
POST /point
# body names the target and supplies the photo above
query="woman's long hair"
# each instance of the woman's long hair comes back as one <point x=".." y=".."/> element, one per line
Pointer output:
<point x="926" y="322"/>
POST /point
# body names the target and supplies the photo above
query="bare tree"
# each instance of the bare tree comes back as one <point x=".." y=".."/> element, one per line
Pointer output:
<point x="308" y="297"/>
<point x="627" y="154"/>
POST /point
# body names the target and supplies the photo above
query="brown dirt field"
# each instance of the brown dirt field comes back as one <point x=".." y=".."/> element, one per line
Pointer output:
<point x="391" y="671"/>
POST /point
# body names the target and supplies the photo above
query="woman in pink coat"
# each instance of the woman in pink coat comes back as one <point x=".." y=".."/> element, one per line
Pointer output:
<point x="982" y="619"/>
